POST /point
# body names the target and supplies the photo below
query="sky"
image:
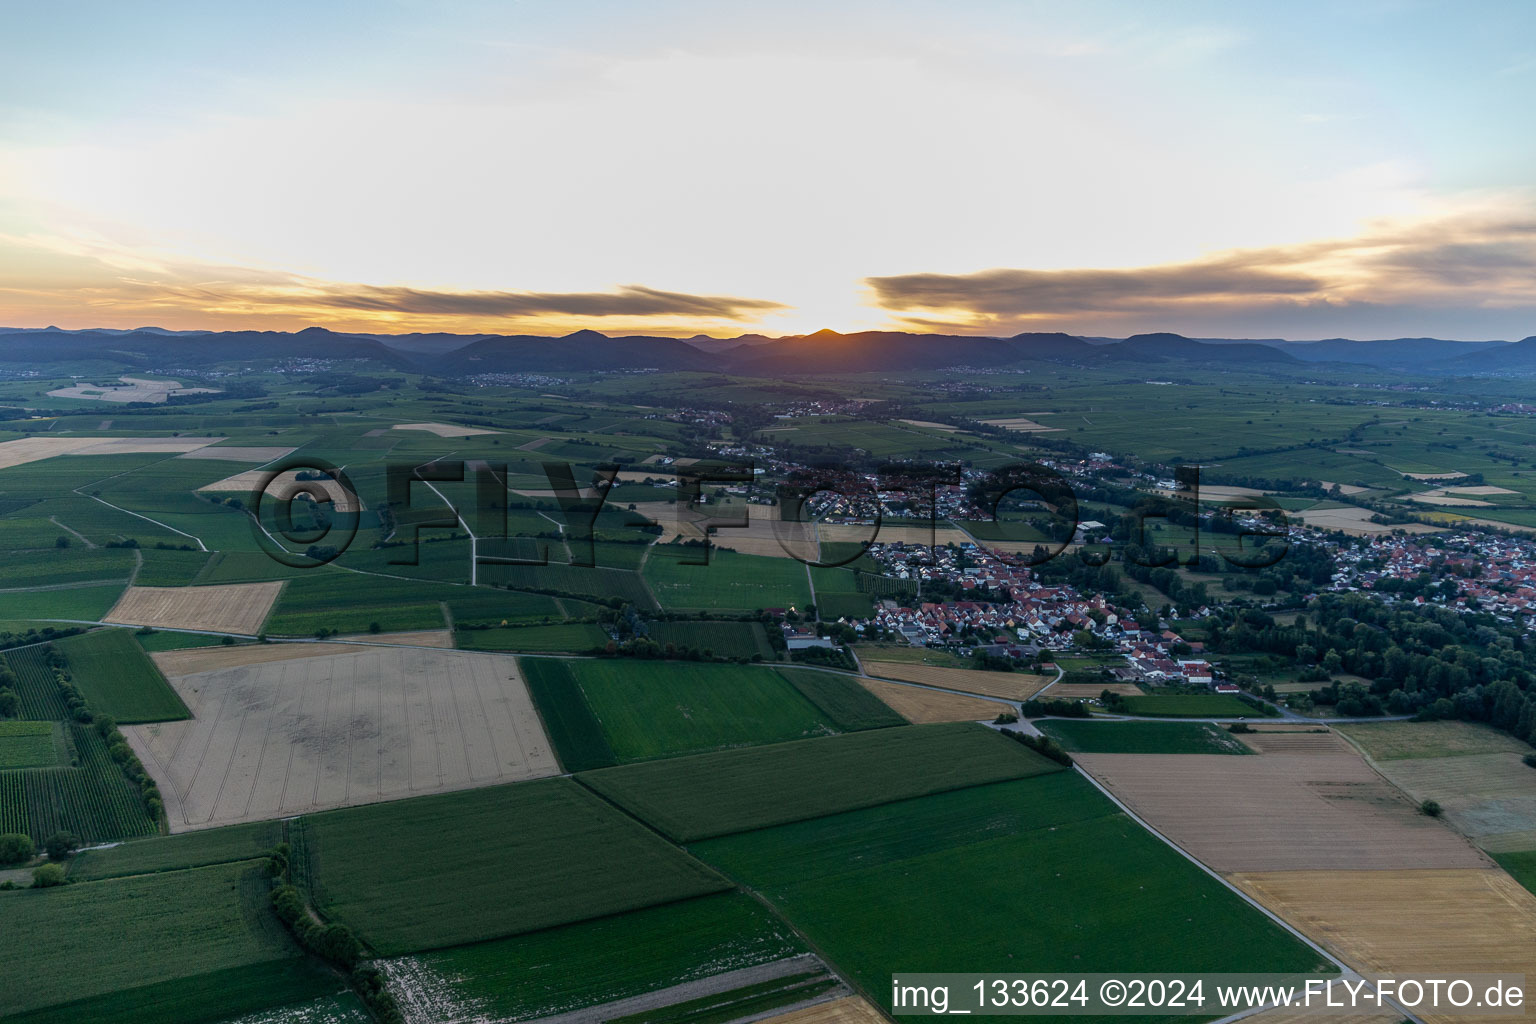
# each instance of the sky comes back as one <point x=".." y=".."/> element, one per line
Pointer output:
<point x="1236" y="169"/>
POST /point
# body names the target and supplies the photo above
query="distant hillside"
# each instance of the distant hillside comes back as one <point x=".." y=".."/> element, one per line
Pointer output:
<point x="584" y="350"/>
<point x="1395" y="353"/>
<point x="145" y="349"/>
<point x="1518" y="358"/>
<point x="824" y="352"/>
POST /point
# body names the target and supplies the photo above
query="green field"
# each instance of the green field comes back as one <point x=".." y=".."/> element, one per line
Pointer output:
<point x="482" y="606"/>
<point x="30" y="744"/>
<point x="86" y="603"/>
<point x="719" y="639"/>
<point x="1521" y="865"/>
<point x="653" y="709"/>
<point x="348" y="602"/>
<point x="487" y="863"/>
<point x="171" y="853"/>
<point x="849" y="706"/>
<point x="292" y="990"/>
<point x="164" y="640"/>
<point x="578" y="738"/>
<point x="53" y="566"/>
<point x="117" y="678"/>
<point x="88" y="793"/>
<point x="582" y="582"/>
<point x="579" y="965"/>
<point x="707" y="795"/>
<point x="94" y="801"/>
<point x="731" y="582"/>
<point x="182" y="925"/>
<point x="1043" y="872"/>
<point x="1190" y="705"/>
<point x="1098" y="737"/>
<point x="563" y="638"/>
<point x="170" y="568"/>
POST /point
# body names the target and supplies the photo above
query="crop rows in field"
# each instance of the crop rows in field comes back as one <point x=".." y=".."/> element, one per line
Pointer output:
<point x="562" y="638"/>
<point x="116" y="678"/>
<point x="729" y="582"/>
<point x="94" y="801"/>
<point x="41" y="698"/>
<point x="653" y="709"/>
<point x="172" y="853"/>
<point x="190" y="924"/>
<point x="708" y="795"/>
<point x="1194" y="705"/>
<point x="598" y="584"/>
<point x="572" y="728"/>
<point x="1043" y="871"/>
<point x="850" y="706"/>
<point x="723" y="639"/>
<point x="29" y="745"/>
<point x="591" y="962"/>
<point x="524" y="857"/>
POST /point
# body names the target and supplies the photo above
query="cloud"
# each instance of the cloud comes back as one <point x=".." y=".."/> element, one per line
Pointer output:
<point x="87" y="283"/>
<point x="628" y="300"/>
<point x="1470" y="262"/>
<point x="1023" y="292"/>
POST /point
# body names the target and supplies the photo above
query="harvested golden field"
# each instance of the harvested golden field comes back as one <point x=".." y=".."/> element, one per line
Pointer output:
<point x="1491" y="798"/>
<point x="1387" y="741"/>
<point x="414" y="638"/>
<point x="1294" y="741"/>
<point x="848" y="1010"/>
<point x="34" y="449"/>
<point x="444" y="429"/>
<point x="227" y="608"/>
<point x="1356" y="522"/>
<point x="1434" y="923"/>
<point x="1079" y="691"/>
<point x="1009" y="685"/>
<point x="1022" y="424"/>
<point x="287" y="484"/>
<point x="206" y="659"/>
<point x="922" y="707"/>
<point x="278" y="738"/>
<point x="1281" y="812"/>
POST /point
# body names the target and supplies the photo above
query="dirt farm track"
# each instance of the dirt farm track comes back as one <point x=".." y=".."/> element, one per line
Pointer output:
<point x="275" y="737"/>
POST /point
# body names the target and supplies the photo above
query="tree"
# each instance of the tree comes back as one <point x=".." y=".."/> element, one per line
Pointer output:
<point x="48" y="875"/>
<point x="61" y="844"/>
<point x="10" y="704"/>
<point x="61" y="542"/>
<point x="15" y="847"/>
<point x="1431" y="808"/>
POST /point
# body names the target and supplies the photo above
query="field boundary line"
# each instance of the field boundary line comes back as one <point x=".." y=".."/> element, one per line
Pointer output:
<point x="83" y="538"/>
<point x="147" y="519"/>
